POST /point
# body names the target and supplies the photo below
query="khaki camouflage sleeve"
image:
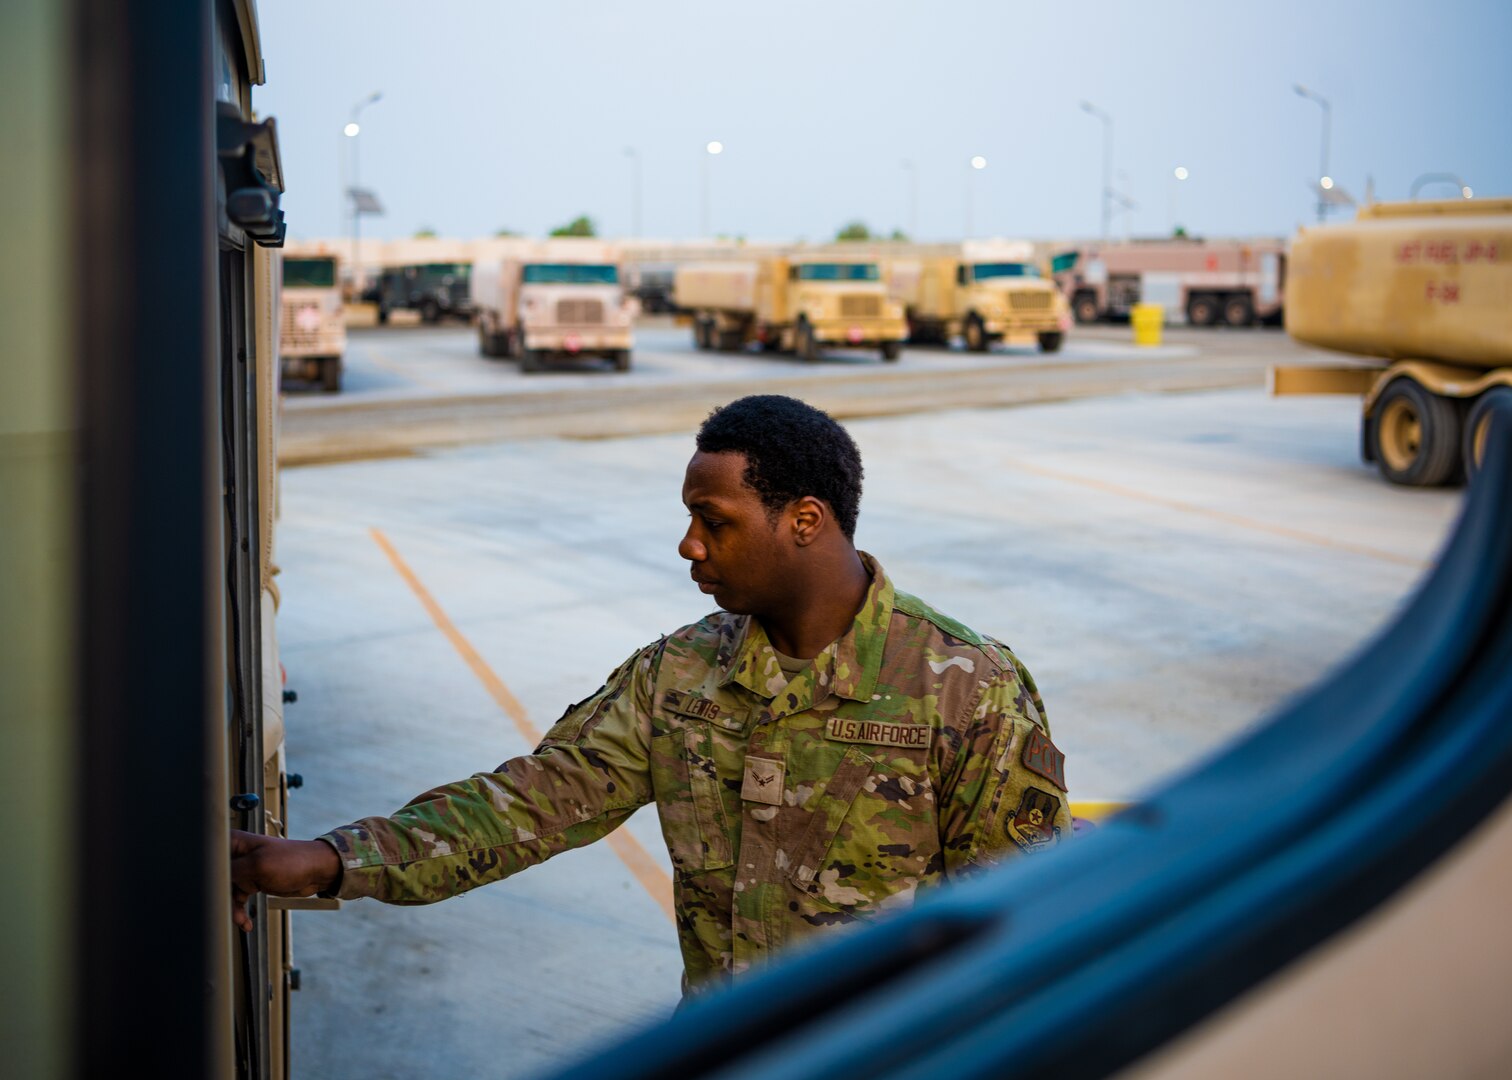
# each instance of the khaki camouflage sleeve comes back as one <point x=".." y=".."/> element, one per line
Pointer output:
<point x="1005" y="791"/>
<point x="587" y="776"/>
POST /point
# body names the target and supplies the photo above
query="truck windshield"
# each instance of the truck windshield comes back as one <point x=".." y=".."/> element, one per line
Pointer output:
<point x="837" y="271"/>
<point x="309" y="273"/>
<point x="983" y="271"/>
<point x="570" y="274"/>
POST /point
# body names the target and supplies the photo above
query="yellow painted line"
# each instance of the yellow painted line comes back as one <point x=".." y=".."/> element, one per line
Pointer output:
<point x="1095" y="810"/>
<point x="635" y="857"/>
<point x="1217" y="515"/>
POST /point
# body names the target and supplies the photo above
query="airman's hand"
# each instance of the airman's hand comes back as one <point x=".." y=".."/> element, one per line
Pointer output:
<point x="277" y="867"/>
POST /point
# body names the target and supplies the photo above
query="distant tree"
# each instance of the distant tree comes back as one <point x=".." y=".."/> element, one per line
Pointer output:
<point x="899" y="235"/>
<point x="1179" y="232"/>
<point x="856" y="230"/>
<point x="582" y="225"/>
<point x="426" y="233"/>
<point x="506" y="232"/>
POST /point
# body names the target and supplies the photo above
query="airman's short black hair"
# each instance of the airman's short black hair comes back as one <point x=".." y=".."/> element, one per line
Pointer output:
<point x="792" y="449"/>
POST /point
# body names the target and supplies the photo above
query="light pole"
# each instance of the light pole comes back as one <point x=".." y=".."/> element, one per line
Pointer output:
<point x="1324" y="180"/>
<point x="1440" y="178"/>
<point x="635" y="190"/>
<point x="712" y="150"/>
<point x="1178" y="177"/>
<point x="977" y="163"/>
<point x="913" y="199"/>
<point x="351" y="131"/>
<point x="1107" y="184"/>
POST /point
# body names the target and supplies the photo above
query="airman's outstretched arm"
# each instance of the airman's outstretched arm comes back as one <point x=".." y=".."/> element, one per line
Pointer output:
<point x="278" y="867"/>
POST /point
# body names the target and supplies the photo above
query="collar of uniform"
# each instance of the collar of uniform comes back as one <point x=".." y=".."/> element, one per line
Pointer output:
<point x="847" y="667"/>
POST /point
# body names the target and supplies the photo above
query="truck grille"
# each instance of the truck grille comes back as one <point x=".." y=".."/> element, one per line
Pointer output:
<point x="860" y="307"/>
<point x="1029" y="301"/>
<point x="301" y="326"/>
<point x="580" y="312"/>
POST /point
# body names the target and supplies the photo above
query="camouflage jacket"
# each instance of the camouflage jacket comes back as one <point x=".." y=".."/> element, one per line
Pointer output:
<point x="907" y="752"/>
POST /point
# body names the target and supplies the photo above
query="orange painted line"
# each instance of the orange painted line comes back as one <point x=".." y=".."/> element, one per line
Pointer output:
<point x="624" y="844"/>
<point x="1217" y="515"/>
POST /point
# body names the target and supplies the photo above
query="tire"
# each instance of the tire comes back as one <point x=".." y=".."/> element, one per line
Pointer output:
<point x="532" y="360"/>
<point x="621" y="358"/>
<point x="703" y="334"/>
<point x="430" y="312"/>
<point x="1084" y="308"/>
<point x="1051" y="342"/>
<point x="1202" y="311"/>
<point x="1415" y="435"/>
<point x="1478" y="424"/>
<point x="975" y="334"/>
<point x="729" y="341"/>
<point x="382" y="315"/>
<point x="1238" y="310"/>
<point x="330" y="374"/>
<point x="803" y="342"/>
<point x="891" y="350"/>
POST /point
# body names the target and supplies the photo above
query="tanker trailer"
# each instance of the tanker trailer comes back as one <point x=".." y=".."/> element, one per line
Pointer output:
<point x="1423" y="292"/>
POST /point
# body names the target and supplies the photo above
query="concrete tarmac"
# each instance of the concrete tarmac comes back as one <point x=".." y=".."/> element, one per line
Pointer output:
<point x="1170" y="567"/>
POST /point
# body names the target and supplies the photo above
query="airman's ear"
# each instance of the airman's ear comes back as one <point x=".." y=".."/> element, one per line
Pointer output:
<point x="808" y="517"/>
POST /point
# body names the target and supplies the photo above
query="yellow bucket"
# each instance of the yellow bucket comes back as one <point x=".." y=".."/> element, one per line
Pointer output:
<point x="1147" y="319"/>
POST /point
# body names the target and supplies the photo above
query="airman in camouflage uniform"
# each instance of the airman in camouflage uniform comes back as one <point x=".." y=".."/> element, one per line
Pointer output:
<point x="886" y="750"/>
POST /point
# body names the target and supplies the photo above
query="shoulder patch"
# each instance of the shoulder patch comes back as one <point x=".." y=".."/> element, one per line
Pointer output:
<point x="1043" y="759"/>
<point x="1032" y="826"/>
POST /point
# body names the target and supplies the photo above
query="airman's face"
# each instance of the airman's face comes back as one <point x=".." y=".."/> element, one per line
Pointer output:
<point x="739" y="553"/>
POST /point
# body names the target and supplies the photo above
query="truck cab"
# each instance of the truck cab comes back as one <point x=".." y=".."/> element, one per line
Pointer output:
<point x="312" y="329"/>
<point x="842" y="303"/>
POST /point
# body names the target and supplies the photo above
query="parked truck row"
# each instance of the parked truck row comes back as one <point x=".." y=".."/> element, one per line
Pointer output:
<point x="1234" y="282"/>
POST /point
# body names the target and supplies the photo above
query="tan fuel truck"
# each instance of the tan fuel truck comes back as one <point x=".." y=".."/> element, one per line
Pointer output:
<point x="796" y="303"/>
<point x="985" y="292"/>
<point x="1424" y="290"/>
<point x="543" y="300"/>
<point x="312" y="329"/>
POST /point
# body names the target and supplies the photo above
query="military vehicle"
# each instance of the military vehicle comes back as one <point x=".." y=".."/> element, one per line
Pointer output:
<point x="985" y="292"/>
<point x="140" y="681"/>
<point x="435" y="290"/>
<point x="1205" y="282"/>
<point x="312" y="320"/>
<point x="558" y="299"/>
<point x="800" y="303"/>
<point x="1422" y="291"/>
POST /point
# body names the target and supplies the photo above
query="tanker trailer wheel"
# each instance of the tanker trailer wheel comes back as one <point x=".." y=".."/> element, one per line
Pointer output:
<point x="621" y="358"/>
<point x="804" y="343"/>
<point x="1416" y="435"/>
<point x="1478" y="426"/>
<point x="975" y="334"/>
<point x="1051" y="342"/>
<point x="1084" y="307"/>
<point x="891" y="350"/>
<point x="1238" y="311"/>
<point x="330" y="374"/>
<point x="1202" y="311"/>
<point x="703" y="334"/>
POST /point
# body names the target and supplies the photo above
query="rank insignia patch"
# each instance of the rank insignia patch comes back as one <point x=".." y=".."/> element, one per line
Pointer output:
<point x="1032" y="825"/>
<point x="1043" y="759"/>
<point x="763" y="781"/>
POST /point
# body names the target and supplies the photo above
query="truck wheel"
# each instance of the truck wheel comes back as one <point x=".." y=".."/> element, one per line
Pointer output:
<point x="382" y="315"/>
<point x="330" y="374"/>
<point x="621" y="358"/>
<point x="1084" y="307"/>
<point x="975" y="334"/>
<point x="1416" y="435"/>
<point x="1202" y="311"/>
<point x="1238" y="311"/>
<point x="532" y="360"/>
<point x="729" y="341"/>
<point x="891" y="350"/>
<point x="703" y="334"/>
<point x="803" y="342"/>
<point x="1478" y="427"/>
<point x="1051" y="342"/>
<point x="430" y="312"/>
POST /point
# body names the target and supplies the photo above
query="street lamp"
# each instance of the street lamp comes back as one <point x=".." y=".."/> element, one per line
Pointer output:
<point x="913" y="199"/>
<point x="1440" y="178"/>
<point x="1325" y="182"/>
<point x="711" y="150"/>
<point x="978" y="163"/>
<point x="1178" y="175"/>
<point x="1107" y="185"/>
<point x="351" y="131"/>
<point x="635" y="190"/>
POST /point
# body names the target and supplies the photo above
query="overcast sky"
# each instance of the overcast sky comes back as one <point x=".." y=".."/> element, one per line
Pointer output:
<point x="518" y="115"/>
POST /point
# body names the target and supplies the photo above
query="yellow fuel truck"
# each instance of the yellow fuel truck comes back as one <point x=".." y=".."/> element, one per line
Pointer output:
<point x="796" y="303"/>
<point x="983" y="291"/>
<point x="1423" y="289"/>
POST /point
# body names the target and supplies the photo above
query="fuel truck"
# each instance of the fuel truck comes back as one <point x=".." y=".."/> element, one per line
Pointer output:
<point x="1422" y="291"/>
<point x="984" y="292"/>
